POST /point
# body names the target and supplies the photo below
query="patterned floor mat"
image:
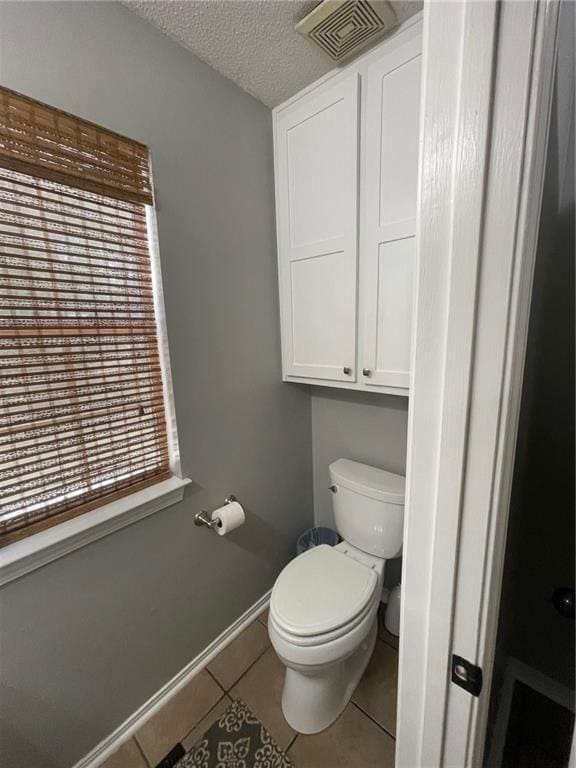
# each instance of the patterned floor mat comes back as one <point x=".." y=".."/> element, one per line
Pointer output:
<point x="237" y="740"/>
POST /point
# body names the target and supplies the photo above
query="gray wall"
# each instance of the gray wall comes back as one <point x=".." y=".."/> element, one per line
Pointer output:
<point x="87" y="639"/>
<point x="364" y="427"/>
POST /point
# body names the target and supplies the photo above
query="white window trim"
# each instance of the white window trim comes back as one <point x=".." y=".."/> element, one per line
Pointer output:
<point x="41" y="548"/>
<point x="162" y="335"/>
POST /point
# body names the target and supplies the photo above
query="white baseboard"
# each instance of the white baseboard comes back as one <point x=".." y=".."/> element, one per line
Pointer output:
<point x="111" y="743"/>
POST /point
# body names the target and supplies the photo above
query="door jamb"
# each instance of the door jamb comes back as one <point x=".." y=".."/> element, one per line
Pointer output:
<point x="465" y="50"/>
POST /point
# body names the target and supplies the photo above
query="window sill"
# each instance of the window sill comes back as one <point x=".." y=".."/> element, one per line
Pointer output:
<point x="41" y="548"/>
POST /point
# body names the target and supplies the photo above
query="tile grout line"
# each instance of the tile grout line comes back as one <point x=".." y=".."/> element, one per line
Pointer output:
<point x="389" y="644"/>
<point x="373" y="719"/>
<point x="213" y="676"/>
<point x="247" y="668"/>
<point x="139" y="747"/>
<point x="292" y="741"/>
<point x="224" y="696"/>
<point x="264" y="623"/>
<point x="225" y="691"/>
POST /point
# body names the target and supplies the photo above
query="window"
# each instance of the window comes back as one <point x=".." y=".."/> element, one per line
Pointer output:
<point x="82" y="418"/>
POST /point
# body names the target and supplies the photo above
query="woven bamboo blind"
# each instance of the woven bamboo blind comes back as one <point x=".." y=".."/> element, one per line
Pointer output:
<point x="51" y="144"/>
<point x="82" y="414"/>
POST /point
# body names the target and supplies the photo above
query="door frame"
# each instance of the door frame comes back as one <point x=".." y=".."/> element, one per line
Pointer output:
<point x="486" y="98"/>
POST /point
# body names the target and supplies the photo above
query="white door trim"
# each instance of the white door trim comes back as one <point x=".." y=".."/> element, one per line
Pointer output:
<point x="487" y="79"/>
<point x="500" y="341"/>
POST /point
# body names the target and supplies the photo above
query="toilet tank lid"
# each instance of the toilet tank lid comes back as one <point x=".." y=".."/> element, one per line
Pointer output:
<point x="369" y="481"/>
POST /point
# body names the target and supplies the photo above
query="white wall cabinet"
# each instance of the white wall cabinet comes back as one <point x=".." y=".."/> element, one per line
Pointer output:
<point x="346" y="163"/>
<point x="317" y="161"/>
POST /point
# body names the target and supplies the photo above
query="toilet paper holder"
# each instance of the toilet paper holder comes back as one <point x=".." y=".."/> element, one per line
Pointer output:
<point x="203" y="517"/>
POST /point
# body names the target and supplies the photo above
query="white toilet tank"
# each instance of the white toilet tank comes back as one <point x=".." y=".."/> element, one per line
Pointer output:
<point x="368" y="507"/>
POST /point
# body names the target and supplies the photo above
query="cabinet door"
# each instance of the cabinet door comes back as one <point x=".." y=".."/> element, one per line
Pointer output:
<point x="316" y="144"/>
<point x="390" y="177"/>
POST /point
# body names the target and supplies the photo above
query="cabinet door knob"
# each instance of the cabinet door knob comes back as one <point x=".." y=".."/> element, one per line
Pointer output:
<point x="366" y="372"/>
<point x="347" y="370"/>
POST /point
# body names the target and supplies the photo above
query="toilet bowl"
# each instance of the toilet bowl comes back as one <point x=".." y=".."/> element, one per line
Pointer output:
<point x="324" y="605"/>
<point x="325" y="656"/>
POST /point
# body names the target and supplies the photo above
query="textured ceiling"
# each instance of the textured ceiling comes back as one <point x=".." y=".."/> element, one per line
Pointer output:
<point x="251" y="42"/>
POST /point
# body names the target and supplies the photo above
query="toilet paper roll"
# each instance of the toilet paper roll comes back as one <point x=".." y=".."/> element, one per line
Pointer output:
<point x="231" y="516"/>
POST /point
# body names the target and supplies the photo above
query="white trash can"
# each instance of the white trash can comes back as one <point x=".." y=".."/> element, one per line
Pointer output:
<point x="392" y="617"/>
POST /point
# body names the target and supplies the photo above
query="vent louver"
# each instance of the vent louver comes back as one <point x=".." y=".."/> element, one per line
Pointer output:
<point x="341" y="28"/>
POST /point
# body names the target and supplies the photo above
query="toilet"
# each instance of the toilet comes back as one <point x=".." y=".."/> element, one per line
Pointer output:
<point x="323" y="610"/>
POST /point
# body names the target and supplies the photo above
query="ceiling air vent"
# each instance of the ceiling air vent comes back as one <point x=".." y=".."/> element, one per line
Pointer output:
<point x="343" y="27"/>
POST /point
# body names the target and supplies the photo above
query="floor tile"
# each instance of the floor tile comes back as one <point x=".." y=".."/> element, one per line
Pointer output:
<point x="261" y="690"/>
<point x="263" y="617"/>
<point x="177" y="718"/>
<point x="128" y="756"/>
<point x="235" y="659"/>
<point x="383" y="633"/>
<point x="206" y="722"/>
<point x="376" y="692"/>
<point x="354" y="741"/>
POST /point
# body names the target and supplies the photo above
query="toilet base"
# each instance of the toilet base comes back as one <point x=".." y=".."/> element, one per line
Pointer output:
<point x="312" y="699"/>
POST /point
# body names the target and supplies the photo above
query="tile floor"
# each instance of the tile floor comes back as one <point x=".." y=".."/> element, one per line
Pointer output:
<point x="362" y="737"/>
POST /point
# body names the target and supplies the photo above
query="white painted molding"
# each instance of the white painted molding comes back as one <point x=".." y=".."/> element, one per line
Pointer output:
<point x="486" y="87"/>
<point x="441" y="72"/>
<point x="42" y="548"/>
<point x="111" y="743"/>
<point x="162" y="335"/>
<point x="500" y="353"/>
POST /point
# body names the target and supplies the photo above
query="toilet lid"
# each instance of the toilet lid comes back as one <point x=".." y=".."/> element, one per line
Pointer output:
<point x="321" y="590"/>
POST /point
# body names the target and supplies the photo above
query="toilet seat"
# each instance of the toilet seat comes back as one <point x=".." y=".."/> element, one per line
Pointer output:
<point x="322" y="595"/>
<point x="326" y="637"/>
